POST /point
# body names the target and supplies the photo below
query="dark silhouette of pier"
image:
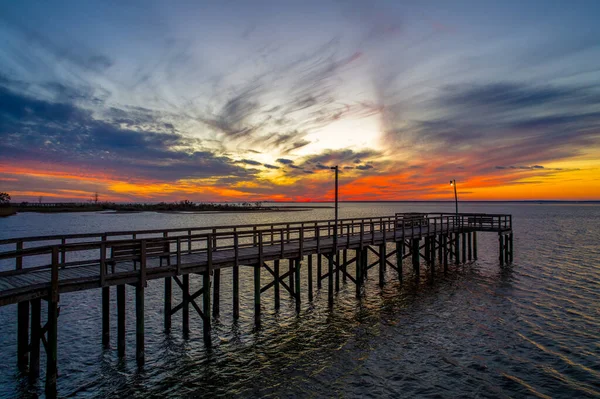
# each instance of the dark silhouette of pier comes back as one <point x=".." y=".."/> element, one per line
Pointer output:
<point x="47" y="267"/>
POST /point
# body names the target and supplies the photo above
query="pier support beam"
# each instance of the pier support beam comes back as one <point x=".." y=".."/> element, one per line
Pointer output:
<point x="319" y="270"/>
<point x="22" y="334"/>
<point x="330" y="279"/>
<point x="501" y="249"/>
<point x="216" y="292"/>
<point x="206" y="322"/>
<point x="445" y="252"/>
<point x="236" y="291"/>
<point x="139" y="324"/>
<point x="470" y="246"/>
<point x="52" y="328"/>
<point x="121" y="320"/>
<point x="510" y="242"/>
<point x="297" y="262"/>
<point x="382" y="259"/>
<point x="105" y="316"/>
<point x="464" y="247"/>
<point x="276" y="285"/>
<point x="291" y="276"/>
<point x="257" y="295"/>
<point x="36" y="336"/>
<point x="475" y="245"/>
<point x="337" y="271"/>
<point x="357" y="271"/>
<point x="415" y="255"/>
<point x="457" y="248"/>
<point x="167" y="307"/>
<point x="185" y="301"/>
<point x="399" y="257"/>
<point x="310" y="277"/>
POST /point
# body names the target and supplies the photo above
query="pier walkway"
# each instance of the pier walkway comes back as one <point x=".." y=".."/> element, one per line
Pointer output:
<point x="45" y="267"/>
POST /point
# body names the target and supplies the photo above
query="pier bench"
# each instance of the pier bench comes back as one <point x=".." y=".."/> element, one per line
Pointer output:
<point x="480" y="220"/>
<point x="133" y="252"/>
<point x="411" y="219"/>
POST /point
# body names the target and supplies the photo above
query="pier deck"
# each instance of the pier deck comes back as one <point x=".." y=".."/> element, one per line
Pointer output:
<point x="45" y="267"/>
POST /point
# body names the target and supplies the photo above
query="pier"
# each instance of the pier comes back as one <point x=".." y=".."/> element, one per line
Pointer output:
<point x="47" y="267"/>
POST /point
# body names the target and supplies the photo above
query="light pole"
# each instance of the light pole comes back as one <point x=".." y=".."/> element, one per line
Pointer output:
<point x="453" y="183"/>
<point x="336" y="198"/>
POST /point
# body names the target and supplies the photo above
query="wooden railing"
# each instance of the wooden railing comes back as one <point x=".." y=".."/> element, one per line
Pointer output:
<point x="98" y="250"/>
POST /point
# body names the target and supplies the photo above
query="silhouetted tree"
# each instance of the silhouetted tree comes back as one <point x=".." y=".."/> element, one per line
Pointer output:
<point x="4" y="198"/>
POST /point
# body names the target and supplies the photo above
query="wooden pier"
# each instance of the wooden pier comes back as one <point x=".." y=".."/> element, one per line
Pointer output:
<point x="47" y="267"/>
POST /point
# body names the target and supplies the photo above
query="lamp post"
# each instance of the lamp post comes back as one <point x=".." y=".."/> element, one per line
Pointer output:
<point x="453" y="183"/>
<point x="336" y="200"/>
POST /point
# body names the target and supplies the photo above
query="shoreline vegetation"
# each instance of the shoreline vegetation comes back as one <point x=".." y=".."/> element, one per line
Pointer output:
<point x="163" y="207"/>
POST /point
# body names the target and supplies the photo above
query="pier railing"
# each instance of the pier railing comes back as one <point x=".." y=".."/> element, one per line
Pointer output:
<point x="169" y="246"/>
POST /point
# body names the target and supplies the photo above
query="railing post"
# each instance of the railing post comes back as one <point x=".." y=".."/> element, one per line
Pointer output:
<point x="236" y="276"/>
<point x="52" y="346"/>
<point x="257" y="268"/>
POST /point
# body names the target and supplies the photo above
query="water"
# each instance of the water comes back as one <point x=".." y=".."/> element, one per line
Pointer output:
<point x="530" y="329"/>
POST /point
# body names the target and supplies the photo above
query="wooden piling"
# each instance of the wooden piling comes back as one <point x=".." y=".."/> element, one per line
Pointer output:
<point x="139" y="324"/>
<point x="345" y="267"/>
<point x="121" y="320"/>
<point x="506" y="249"/>
<point x="257" y="295"/>
<point x="445" y="252"/>
<point x="216" y="292"/>
<point x="510" y="242"/>
<point x="276" y="286"/>
<point x="236" y="277"/>
<point x="52" y="349"/>
<point x="257" y="282"/>
<point x="470" y="246"/>
<point x="185" y="301"/>
<point x="440" y="249"/>
<point x="52" y="328"/>
<point x="382" y="264"/>
<point x="105" y="316"/>
<point x="206" y="321"/>
<point x="319" y="270"/>
<point x="310" y="278"/>
<point x="167" y="307"/>
<point x="330" y="279"/>
<point x="22" y="334"/>
<point x="36" y="336"/>
<point x="358" y="274"/>
<point x="337" y="271"/>
<point x="297" y="291"/>
<point x="464" y="247"/>
<point x="501" y="249"/>
<point x="475" y="245"/>
<point x="457" y="248"/>
<point x="291" y="276"/>
<point x="399" y="257"/>
<point x="415" y="255"/>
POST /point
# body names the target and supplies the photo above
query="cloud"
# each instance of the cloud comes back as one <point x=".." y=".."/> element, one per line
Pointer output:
<point x="284" y="161"/>
<point x="364" y="167"/>
<point x="266" y="165"/>
<point x="250" y="162"/>
<point x="62" y="133"/>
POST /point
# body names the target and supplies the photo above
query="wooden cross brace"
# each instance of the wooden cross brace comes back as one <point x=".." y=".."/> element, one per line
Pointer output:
<point x="279" y="279"/>
<point x="341" y="268"/>
<point x="191" y="299"/>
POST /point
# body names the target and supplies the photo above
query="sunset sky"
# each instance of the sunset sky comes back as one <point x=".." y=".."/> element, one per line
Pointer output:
<point x="255" y="100"/>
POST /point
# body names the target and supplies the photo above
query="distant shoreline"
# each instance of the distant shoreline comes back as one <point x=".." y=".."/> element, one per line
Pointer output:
<point x="109" y="210"/>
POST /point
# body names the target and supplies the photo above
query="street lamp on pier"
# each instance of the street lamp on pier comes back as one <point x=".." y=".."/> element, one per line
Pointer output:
<point x="453" y="183"/>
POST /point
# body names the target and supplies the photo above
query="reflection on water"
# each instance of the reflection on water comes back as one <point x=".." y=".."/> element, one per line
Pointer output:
<point x="531" y="328"/>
